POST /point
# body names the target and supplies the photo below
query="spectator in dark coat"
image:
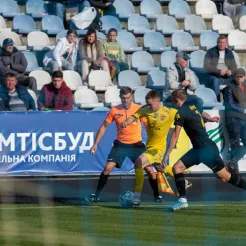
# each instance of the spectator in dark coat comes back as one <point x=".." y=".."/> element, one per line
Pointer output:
<point x="220" y="63"/>
<point x="14" y="61"/>
<point x="14" y="97"/>
<point x="56" y="95"/>
<point x="235" y="112"/>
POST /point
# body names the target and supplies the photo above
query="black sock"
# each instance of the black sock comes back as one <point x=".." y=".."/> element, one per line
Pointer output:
<point x="101" y="183"/>
<point x="154" y="186"/>
<point x="180" y="183"/>
<point x="237" y="181"/>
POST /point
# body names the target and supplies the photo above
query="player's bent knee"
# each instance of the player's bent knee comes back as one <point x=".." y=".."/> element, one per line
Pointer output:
<point x="178" y="167"/>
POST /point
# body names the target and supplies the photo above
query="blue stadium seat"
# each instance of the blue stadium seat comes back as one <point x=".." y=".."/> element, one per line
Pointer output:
<point x="101" y="35"/>
<point x="208" y="39"/>
<point x="35" y="8"/>
<point x="139" y="95"/>
<point x="167" y="59"/>
<point x="61" y="34"/>
<point x="52" y="24"/>
<point x="108" y="22"/>
<point x="194" y="24"/>
<point x="138" y="24"/>
<point x="179" y="9"/>
<point x="154" y="42"/>
<point x="197" y="59"/>
<point x="166" y="24"/>
<point x="101" y="109"/>
<point x="142" y="62"/>
<point x="9" y="8"/>
<point x="208" y="96"/>
<point x="150" y="9"/>
<point x="129" y="78"/>
<point x="183" y="41"/>
<point x="32" y="63"/>
<point x="156" y="80"/>
<point x="124" y="9"/>
<point x="128" y="41"/>
<point x="24" y="24"/>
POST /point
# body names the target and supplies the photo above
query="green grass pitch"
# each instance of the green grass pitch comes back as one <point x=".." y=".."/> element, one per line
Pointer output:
<point x="220" y="223"/>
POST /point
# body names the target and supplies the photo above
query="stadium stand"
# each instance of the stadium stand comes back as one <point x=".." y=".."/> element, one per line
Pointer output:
<point x="52" y="24"/>
<point x="34" y="96"/>
<point x="242" y="23"/>
<point x="72" y="79"/>
<point x="9" y="9"/>
<point x="2" y="24"/>
<point x="128" y="41"/>
<point x="139" y="95"/>
<point x="179" y="9"/>
<point x="32" y="63"/>
<point x="208" y="39"/>
<point x="38" y="41"/>
<point x="197" y="59"/>
<point x="15" y="37"/>
<point x="167" y="59"/>
<point x="206" y="8"/>
<point x="150" y="9"/>
<point x="42" y="78"/>
<point x="194" y="24"/>
<point x="222" y="24"/>
<point x="112" y="97"/>
<point x="166" y="24"/>
<point x="24" y="24"/>
<point x="155" y="42"/>
<point x="109" y="22"/>
<point x="99" y="80"/>
<point x="129" y="78"/>
<point x="138" y="24"/>
<point x="124" y="9"/>
<point x="35" y="8"/>
<point x="237" y="40"/>
<point x="156" y="80"/>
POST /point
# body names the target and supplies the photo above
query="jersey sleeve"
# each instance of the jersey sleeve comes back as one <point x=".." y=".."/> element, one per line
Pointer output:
<point x="140" y="113"/>
<point x="110" y="117"/>
<point x="179" y="119"/>
<point x="173" y="112"/>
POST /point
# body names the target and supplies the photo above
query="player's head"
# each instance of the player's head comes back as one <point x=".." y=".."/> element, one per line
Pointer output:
<point x="153" y="100"/>
<point x="179" y="97"/>
<point x="126" y="96"/>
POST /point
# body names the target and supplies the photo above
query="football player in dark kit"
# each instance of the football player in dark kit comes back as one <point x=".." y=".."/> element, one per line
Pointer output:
<point x="204" y="149"/>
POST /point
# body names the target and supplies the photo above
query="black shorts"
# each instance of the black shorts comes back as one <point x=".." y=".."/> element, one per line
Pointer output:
<point x="208" y="155"/>
<point x="120" y="151"/>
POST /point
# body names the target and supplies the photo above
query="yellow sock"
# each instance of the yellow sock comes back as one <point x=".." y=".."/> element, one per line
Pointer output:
<point x="139" y="180"/>
<point x="168" y="170"/>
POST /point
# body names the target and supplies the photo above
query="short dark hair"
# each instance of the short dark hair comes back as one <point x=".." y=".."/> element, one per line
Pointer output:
<point x="9" y="75"/>
<point x="57" y="74"/>
<point x="153" y="95"/>
<point x="125" y="90"/>
<point x="178" y="94"/>
<point x="112" y="30"/>
<point x="72" y="31"/>
<point x="221" y="37"/>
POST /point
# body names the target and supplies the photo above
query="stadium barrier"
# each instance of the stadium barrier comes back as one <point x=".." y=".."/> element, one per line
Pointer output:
<point x="58" y="143"/>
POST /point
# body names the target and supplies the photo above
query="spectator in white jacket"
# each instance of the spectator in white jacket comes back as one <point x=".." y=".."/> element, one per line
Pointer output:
<point x="64" y="55"/>
<point x="180" y="76"/>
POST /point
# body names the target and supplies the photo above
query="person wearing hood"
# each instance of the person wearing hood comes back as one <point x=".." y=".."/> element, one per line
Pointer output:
<point x="55" y="95"/>
<point x="64" y="55"/>
<point x="114" y="52"/>
<point x="13" y="61"/>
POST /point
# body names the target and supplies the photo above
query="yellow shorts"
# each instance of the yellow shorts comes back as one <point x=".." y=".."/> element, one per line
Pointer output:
<point x="154" y="156"/>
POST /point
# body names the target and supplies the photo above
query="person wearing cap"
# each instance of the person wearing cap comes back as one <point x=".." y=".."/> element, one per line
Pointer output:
<point x="180" y="76"/>
<point x="14" y="61"/>
<point x="220" y="63"/>
<point x="235" y="116"/>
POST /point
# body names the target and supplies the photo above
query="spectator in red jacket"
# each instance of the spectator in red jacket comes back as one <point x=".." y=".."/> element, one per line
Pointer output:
<point x="55" y="95"/>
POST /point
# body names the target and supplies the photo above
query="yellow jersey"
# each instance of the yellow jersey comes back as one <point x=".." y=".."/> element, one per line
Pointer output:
<point x="158" y="125"/>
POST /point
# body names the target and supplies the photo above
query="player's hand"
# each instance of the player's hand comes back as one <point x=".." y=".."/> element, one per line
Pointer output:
<point x="214" y="119"/>
<point x="164" y="161"/>
<point x="123" y="124"/>
<point x="107" y="4"/>
<point x="93" y="149"/>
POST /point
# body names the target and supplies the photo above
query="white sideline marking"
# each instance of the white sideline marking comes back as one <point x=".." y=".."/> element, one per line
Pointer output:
<point x="103" y="206"/>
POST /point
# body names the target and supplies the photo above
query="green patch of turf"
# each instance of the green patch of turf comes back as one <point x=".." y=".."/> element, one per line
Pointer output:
<point x="107" y="224"/>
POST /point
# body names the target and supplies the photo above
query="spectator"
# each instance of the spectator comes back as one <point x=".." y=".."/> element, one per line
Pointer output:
<point x="91" y="54"/>
<point x="220" y="63"/>
<point x="14" y="61"/>
<point x="100" y="6"/>
<point x="64" y="55"/>
<point x="56" y="95"/>
<point x="180" y="76"/>
<point x="241" y="11"/>
<point x="15" y="97"/>
<point x="235" y="106"/>
<point x="114" y="52"/>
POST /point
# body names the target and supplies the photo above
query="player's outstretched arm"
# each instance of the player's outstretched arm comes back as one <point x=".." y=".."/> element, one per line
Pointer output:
<point x="99" y="135"/>
<point x="128" y="121"/>
<point x="208" y="118"/>
<point x="173" y="141"/>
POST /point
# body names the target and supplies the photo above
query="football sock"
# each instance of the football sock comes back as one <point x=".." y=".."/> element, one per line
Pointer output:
<point x="139" y="180"/>
<point x="169" y="170"/>
<point x="154" y="186"/>
<point x="180" y="183"/>
<point x="101" y="183"/>
<point x="237" y="181"/>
